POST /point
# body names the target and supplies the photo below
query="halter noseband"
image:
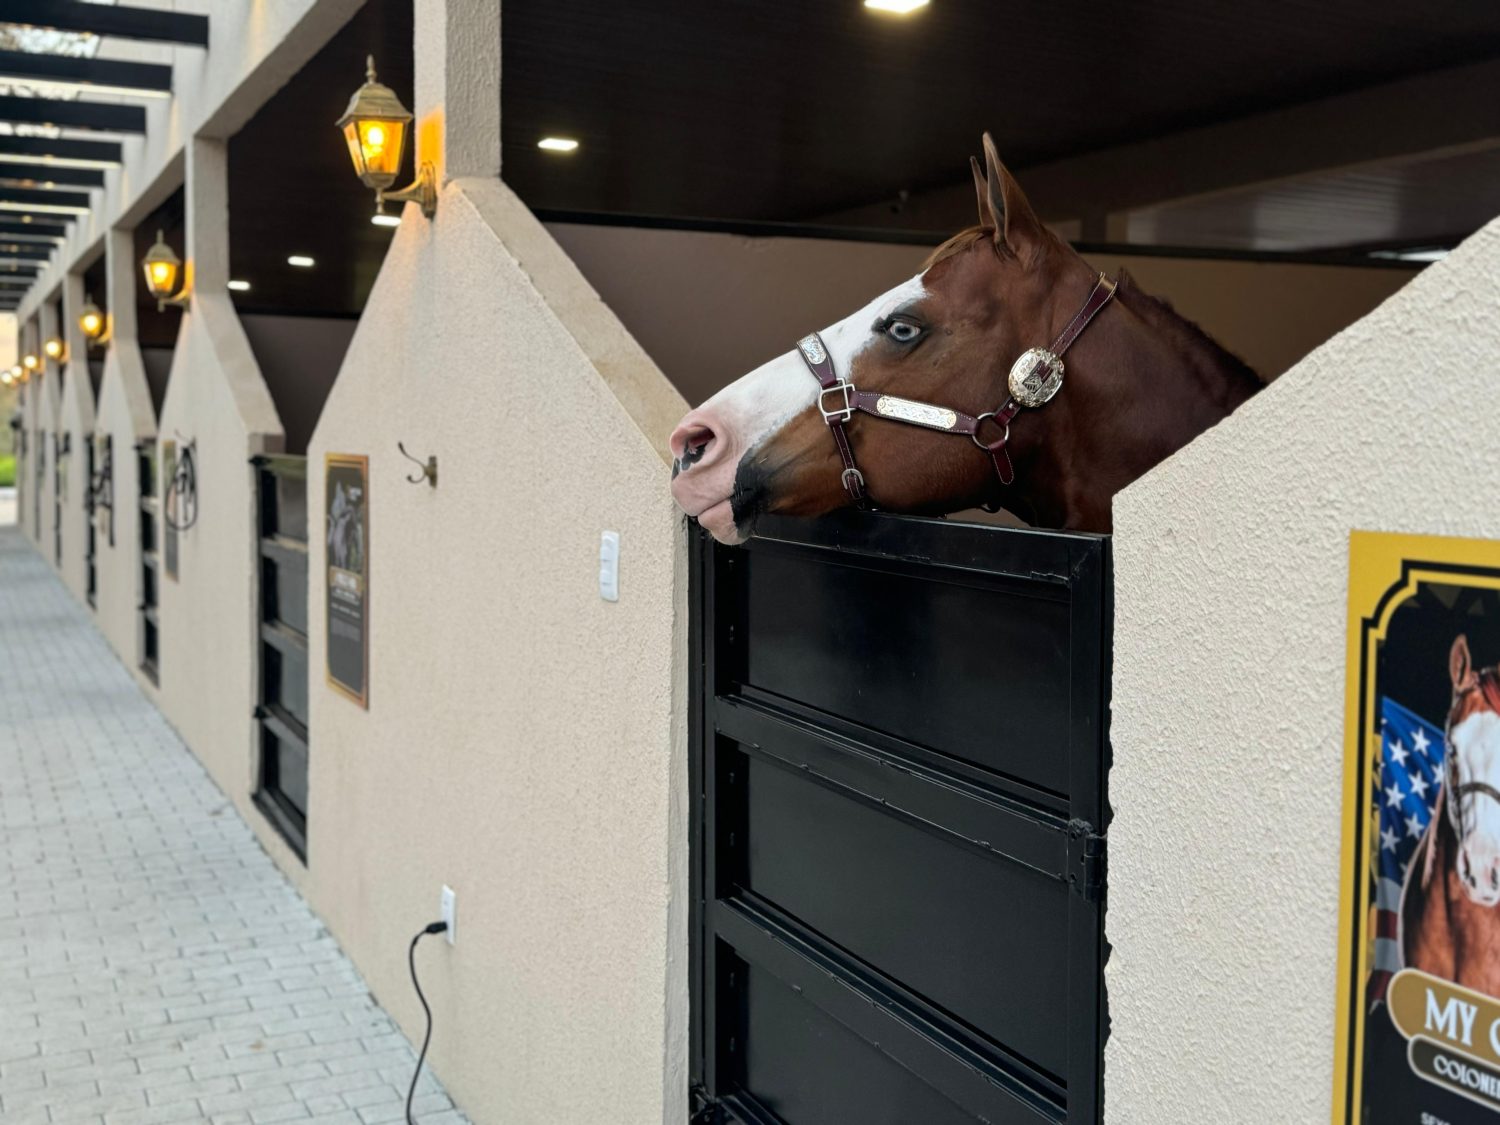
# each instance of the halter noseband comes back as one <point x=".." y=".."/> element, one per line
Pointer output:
<point x="1034" y="379"/>
<point x="1487" y="684"/>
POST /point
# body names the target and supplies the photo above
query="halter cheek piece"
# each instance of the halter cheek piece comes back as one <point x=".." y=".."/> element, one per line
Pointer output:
<point x="1488" y="685"/>
<point x="1034" y="379"/>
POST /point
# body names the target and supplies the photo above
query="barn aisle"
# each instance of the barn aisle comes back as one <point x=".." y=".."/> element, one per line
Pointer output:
<point x="156" y="966"/>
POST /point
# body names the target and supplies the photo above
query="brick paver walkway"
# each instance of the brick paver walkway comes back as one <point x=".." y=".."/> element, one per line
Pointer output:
<point x="155" y="967"/>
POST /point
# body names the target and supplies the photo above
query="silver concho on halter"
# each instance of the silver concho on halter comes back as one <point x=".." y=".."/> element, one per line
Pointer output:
<point x="1036" y="377"/>
<point x="812" y="348"/>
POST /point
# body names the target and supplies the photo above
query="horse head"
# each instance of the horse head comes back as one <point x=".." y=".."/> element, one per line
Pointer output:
<point x="940" y="351"/>
<point x="1473" y="773"/>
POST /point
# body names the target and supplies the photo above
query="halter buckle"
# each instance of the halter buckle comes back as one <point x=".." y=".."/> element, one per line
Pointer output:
<point x="842" y="413"/>
<point x="858" y="476"/>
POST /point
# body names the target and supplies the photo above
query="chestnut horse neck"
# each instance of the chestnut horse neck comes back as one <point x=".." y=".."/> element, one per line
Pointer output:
<point x="1143" y="383"/>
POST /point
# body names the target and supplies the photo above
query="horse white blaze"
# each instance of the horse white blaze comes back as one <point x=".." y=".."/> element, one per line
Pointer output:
<point x="1476" y="742"/>
<point x="711" y="441"/>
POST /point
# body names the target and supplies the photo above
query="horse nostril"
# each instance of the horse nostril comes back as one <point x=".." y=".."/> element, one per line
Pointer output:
<point x="691" y="442"/>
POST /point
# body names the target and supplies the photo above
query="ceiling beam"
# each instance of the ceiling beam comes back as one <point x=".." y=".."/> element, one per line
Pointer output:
<point x="26" y="199"/>
<point x="113" y="22"/>
<point x="60" y="149"/>
<point x="38" y="175"/>
<point x="1443" y="110"/>
<point x="90" y="75"/>
<point x="104" y="117"/>
<point x="22" y="229"/>
<point x="19" y="251"/>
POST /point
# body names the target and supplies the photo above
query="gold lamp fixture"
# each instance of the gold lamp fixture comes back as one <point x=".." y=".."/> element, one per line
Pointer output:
<point x="30" y="362"/>
<point x="20" y="374"/>
<point x="375" y="127"/>
<point x="161" y="266"/>
<point x="91" y="320"/>
<point x="55" y="349"/>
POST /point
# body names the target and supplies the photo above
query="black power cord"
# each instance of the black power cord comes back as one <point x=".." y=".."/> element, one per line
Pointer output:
<point x="411" y="961"/>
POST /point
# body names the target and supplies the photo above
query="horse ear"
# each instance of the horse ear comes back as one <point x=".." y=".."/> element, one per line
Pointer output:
<point x="1009" y="211"/>
<point x="1461" y="664"/>
<point x="982" y="194"/>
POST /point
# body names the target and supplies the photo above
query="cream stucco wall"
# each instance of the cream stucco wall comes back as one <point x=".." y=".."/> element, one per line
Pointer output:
<point x="524" y="741"/>
<point x="1230" y="576"/>
<point x="125" y="414"/>
<point x="76" y="420"/>
<point x="208" y="642"/>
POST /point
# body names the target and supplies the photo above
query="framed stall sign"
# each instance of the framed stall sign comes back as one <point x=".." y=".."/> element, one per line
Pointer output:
<point x="1418" y="1021"/>
<point x="347" y="504"/>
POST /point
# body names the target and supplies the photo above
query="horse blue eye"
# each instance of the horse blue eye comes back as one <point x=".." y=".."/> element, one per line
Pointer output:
<point x="903" y="332"/>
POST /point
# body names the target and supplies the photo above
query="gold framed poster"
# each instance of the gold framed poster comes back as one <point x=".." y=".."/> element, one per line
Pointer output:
<point x="346" y="495"/>
<point x="1417" y="1031"/>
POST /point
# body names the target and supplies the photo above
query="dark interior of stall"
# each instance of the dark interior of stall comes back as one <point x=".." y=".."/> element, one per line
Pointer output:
<point x="299" y="318"/>
<point x="156" y="327"/>
<point x="1343" y="136"/>
<point x="94" y="286"/>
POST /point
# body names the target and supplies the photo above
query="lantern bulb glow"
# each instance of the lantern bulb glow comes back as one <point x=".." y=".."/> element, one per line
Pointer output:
<point x="53" y="348"/>
<point x="381" y="219"/>
<point x="895" y="7"/>
<point x="30" y="362"/>
<point x="557" y="144"/>
<point x="301" y="261"/>
<point x="240" y="286"/>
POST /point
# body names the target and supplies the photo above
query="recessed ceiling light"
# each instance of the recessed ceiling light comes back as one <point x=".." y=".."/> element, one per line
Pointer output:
<point x="301" y="260"/>
<point x="896" y="7"/>
<point x="557" y="144"/>
<point x="384" y="220"/>
<point x="239" y="286"/>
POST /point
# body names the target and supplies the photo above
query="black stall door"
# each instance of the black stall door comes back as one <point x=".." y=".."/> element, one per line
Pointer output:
<point x="899" y="749"/>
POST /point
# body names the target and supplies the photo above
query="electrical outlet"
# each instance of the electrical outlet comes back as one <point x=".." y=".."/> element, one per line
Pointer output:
<point x="448" y="911"/>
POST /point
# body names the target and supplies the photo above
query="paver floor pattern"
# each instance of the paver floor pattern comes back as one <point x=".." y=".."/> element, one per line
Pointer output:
<point x="155" y="966"/>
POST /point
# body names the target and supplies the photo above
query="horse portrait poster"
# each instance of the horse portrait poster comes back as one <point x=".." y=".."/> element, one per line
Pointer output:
<point x="347" y="496"/>
<point x="1417" y="1032"/>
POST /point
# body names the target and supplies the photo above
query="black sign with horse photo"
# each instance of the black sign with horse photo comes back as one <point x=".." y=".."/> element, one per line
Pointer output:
<point x="1419" y="1009"/>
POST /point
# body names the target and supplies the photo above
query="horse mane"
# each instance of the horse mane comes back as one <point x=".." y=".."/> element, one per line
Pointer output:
<point x="1156" y="310"/>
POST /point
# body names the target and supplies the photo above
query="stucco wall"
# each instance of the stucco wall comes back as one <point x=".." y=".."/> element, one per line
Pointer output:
<point x="208" y="640"/>
<point x="524" y="738"/>
<point x="77" y="421"/>
<point x="125" y="414"/>
<point x="1230" y="575"/>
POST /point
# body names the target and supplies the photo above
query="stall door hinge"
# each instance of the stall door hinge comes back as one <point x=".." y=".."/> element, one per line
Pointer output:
<point x="706" y="1108"/>
<point x="1086" y="860"/>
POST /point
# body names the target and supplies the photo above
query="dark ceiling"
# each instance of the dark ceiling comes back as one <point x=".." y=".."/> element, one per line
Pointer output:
<point x="825" y="114"/>
<point x="791" y="111"/>
<point x="292" y="189"/>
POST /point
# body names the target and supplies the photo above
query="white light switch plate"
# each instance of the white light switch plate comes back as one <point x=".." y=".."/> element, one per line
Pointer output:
<point x="609" y="566"/>
<point x="448" y="907"/>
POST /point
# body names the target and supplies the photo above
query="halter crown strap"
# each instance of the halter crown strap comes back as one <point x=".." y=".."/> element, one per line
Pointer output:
<point x="838" y="399"/>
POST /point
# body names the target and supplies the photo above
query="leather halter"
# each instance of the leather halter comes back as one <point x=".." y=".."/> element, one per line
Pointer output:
<point x="1487" y="684"/>
<point x="1038" y="380"/>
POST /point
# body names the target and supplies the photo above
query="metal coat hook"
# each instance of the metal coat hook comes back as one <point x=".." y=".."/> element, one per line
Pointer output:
<point x="429" y="468"/>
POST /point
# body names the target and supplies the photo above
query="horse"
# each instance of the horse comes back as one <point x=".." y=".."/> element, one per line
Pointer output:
<point x="1450" y="924"/>
<point x="939" y="353"/>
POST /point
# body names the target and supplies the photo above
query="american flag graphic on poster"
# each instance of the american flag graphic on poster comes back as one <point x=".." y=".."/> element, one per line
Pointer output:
<point x="1406" y="793"/>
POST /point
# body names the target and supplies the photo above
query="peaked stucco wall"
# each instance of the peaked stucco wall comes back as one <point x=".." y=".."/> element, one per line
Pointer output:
<point x="209" y="648"/>
<point x="125" y="414"/>
<point x="1230" y="577"/>
<point x="76" y="420"/>
<point x="525" y="740"/>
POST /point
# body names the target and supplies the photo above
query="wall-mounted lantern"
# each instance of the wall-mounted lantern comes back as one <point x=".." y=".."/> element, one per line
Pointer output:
<point x="30" y="361"/>
<point x="91" y="320"/>
<point x="56" y="349"/>
<point x="161" y="266"/>
<point x="6" y="377"/>
<point x="375" y="127"/>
